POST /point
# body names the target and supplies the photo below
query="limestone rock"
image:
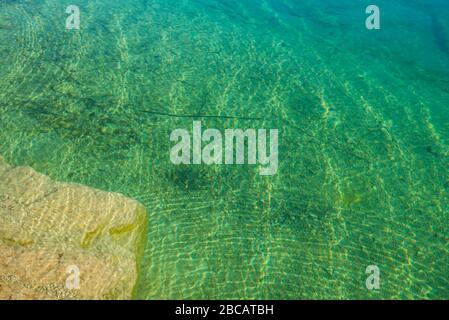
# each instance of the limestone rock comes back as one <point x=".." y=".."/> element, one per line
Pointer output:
<point x="50" y="230"/>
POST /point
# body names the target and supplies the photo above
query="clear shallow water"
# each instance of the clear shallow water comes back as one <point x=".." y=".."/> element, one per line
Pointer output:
<point x="364" y="136"/>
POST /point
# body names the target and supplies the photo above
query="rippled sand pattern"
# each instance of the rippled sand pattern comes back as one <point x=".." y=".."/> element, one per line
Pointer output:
<point x="362" y="117"/>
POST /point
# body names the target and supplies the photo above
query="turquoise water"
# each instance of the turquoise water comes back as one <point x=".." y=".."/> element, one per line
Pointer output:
<point x="363" y="136"/>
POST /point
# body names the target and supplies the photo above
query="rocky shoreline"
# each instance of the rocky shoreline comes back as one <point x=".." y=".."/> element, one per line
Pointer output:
<point x="49" y="229"/>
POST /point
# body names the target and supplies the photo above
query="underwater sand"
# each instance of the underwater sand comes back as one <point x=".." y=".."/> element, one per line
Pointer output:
<point x="363" y="126"/>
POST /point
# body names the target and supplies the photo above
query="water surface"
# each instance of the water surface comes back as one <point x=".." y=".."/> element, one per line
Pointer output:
<point x="362" y="118"/>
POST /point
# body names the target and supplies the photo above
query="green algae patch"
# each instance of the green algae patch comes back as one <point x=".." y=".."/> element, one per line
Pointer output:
<point x="142" y="227"/>
<point x="350" y="199"/>
<point x="20" y="242"/>
<point x="90" y="236"/>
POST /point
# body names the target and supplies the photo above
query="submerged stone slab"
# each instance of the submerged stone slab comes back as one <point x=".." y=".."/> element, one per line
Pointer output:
<point x="50" y="231"/>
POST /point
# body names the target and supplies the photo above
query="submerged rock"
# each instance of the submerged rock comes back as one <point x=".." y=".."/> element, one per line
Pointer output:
<point x="53" y="234"/>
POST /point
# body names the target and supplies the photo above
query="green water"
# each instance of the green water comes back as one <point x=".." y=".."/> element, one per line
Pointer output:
<point x="363" y="136"/>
